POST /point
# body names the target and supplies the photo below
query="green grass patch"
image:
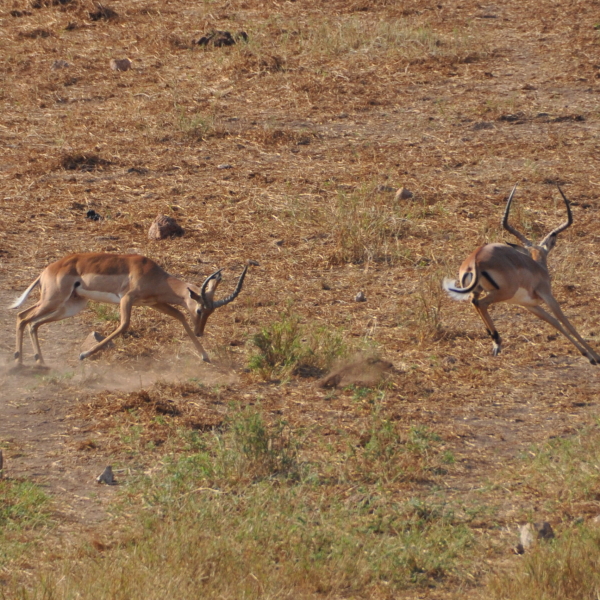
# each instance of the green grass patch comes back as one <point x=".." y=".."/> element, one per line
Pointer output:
<point x="22" y="504"/>
<point x="567" y="568"/>
<point x="568" y="468"/>
<point x="287" y="347"/>
<point x="244" y="516"/>
<point x="106" y="312"/>
<point x="24" y="512"/>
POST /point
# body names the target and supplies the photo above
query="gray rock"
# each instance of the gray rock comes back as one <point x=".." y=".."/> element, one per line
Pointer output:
<point x="403" y="194"/>
<point x="60" y="64"/>
<point x="164" y="227"/>
<point x="120" y="64"/>
<point x="530" y="533"/>
<point x="93" y="339"/>
<point x="107" y="477"/>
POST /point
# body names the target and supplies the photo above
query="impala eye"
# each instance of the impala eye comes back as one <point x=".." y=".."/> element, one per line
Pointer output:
<point x="199" y="311"/>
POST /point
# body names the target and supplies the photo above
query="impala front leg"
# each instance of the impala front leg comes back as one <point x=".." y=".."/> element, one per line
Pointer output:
<point x="167" y="309"/>
<point x="126" y="306"/>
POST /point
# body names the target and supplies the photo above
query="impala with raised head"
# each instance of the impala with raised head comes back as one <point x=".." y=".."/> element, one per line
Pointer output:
<point x="125" y="279"/>
<point x="517" y="275"/>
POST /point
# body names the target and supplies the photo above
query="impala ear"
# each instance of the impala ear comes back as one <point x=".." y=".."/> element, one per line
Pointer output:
<point x="194" y="296"/>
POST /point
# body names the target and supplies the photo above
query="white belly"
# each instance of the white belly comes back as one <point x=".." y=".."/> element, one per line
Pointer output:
<point x="107" y="297"/>
<point x="523" y="298"/>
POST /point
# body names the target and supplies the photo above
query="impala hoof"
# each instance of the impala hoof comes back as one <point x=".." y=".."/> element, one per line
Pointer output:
<point x="206" y="359"/>
<point x="83" y="355"/>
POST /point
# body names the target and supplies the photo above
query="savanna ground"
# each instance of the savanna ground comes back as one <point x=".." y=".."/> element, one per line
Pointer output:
<point x="245" y="478"/>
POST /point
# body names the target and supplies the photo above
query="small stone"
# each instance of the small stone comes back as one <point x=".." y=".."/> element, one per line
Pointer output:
<point x="403" y="194"/>
<point x="225" y="166"/>
<point x="544" y="530"/>
<point x="360" y="297"/>
<point x="107" y="477"/>
<point x="120" y="64"/>
<point x="92" y="215"/>
<point x="527" y="536"/>
<point x="279" y="242"/>
<point x="519" y="549"/>
<point x="103" y="12"/>
<point x="164" y="227"/>
<point x="221" y="38"/>
<point x="530" y="533"/>
<point x="93" y="339"/>
<point x="60" y="64"/>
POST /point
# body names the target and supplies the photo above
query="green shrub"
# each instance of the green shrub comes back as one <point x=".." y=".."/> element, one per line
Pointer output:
<point x="286" y="347"/>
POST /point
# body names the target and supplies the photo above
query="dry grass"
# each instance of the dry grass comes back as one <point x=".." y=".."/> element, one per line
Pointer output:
<point x="286" y="149"/>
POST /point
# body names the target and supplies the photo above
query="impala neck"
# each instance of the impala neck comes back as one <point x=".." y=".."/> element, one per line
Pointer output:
<point x="539" y="254"/>
<point x="181" y="295"/>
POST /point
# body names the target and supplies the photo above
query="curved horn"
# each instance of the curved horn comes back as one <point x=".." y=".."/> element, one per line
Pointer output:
<point x="238" y="287"/>
<point x="566" y="224"/>
<point x="508" y="227"/>
<point x="205" y="300"/>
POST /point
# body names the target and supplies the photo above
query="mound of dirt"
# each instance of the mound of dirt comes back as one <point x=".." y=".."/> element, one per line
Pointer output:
<point x="360" y="370"/>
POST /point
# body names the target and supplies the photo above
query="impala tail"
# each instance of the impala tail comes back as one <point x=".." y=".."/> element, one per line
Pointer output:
<point x="460" y="293"/>
<point x="21" y="299"/>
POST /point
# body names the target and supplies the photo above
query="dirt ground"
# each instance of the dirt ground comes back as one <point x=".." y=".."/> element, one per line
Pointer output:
<point x="252" y="149"/>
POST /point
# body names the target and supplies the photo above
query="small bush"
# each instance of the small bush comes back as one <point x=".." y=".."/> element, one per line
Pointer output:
<point x="430" y="301"/>
<point x="286" y="347"/>
<point x="365" y="227"/>
<point x="194" y="127"/>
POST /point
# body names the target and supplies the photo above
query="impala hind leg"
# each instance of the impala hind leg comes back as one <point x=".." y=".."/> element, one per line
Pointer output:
<point x="125" y="306"/>
<point x="22" y="321"/>
<point x="568" y="330"/>
<point x="481" y="307"/>
<point x="73" y="306"/>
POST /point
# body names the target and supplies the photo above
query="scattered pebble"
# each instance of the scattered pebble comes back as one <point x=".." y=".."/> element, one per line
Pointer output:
<point x="225" y="166"/>
<point x="221" y="38"/>
<point x="403" y="194"/>
<point x="120" y="64"/>
<point x="530" y="533"/>
<point x="60" y="64"/>
<point x="107" y="477"/>
<point x="360" y="297"/>
<point x="92" y="215"/>
<point x="103" y="12"/>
